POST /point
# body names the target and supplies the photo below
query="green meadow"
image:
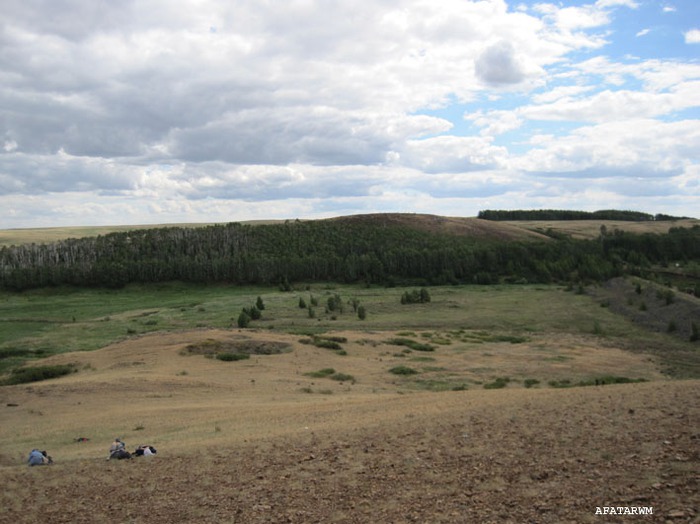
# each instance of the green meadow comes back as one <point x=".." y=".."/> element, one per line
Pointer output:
<point x="50" y="321"/>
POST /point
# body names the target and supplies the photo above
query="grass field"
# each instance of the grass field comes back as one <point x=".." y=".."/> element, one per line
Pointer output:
<point x="57" y="321"/>
<point x="487" y="414"/>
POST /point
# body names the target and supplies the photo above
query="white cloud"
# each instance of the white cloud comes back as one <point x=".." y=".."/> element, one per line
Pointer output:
<point x="451" y="154"/>
<point x="632" y="148"/>
<point x="692" y="36"/>
<point x="632" y="4"/>
<point x="143" y="108"/>
<point x="643" y="32"/>
<point x="495" y="122"/>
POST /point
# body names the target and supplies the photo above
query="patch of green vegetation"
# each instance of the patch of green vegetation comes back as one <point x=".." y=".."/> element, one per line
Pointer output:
<point x="232" y="357"/>
<point x="530" y="382"/>
<point x="403" y="370"/>
<point x="331" y="374"/>
<point x="595" y="381"/>
<point x="88" y="319"/>
<point x="342" y="377"/>
<point x="38" y="373"/>
<point x="410" y="343"/>
<point x="325" y="342"/>
<point x="321" y="373"/>
<point x="499" y="383"/>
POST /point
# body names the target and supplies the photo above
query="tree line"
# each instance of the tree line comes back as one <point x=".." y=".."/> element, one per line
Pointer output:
<point x="332" y="251"/>
<point x="564" y="214"/>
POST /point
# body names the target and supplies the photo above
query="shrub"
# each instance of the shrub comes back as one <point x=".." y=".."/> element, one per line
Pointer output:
<point x="243" y="320"/>
<point x="529" y="382"/>
<point x="255" y="313"/>
<point x="409" y="343"/>
<point x="403" y="370"/>
<point x="597" y="328"/>
<point x="38" y="373"/>
<point x="321" y="373"/>
<point x="326" y="344"/>
<point x="361" y="312"/>
<point x="499" y="383"/>
<point x="341" y="377"/>
<point x="231" y="357"/>
<point x="302" y="303"/>
<point x="334" y="303"/>
<point x="260" y="304"/>
<point x="417" y="296"/>
<point x="565" y="383"/>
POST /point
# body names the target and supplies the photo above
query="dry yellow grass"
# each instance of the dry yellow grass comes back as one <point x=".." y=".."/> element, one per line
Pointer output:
<point x="146" y="391"/>
<point x="587" y="229"/>
<point x="234" y="451"/>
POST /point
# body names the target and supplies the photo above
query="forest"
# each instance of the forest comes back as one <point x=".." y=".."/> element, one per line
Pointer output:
<point x="334" y="250"/>
<point x="561" y="214"/>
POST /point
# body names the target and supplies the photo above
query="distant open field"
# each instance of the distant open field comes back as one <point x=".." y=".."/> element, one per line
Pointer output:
<point x="456" y="410"/>
<point x="591" y="228"/>
<point x="467" y="226"/>
<point x="44" y="235"/>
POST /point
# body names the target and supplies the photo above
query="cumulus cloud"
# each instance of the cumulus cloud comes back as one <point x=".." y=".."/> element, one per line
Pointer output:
<point x="692" y="36"/>
<point x="636" y="148"/>
<point x="148" y="108"/>
<point x="498" y="64"/>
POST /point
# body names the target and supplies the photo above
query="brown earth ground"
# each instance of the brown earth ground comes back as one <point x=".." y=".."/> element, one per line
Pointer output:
<point x="260" y="441"/>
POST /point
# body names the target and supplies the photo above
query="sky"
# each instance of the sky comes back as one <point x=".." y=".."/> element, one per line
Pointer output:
<point x="153" y="112"/>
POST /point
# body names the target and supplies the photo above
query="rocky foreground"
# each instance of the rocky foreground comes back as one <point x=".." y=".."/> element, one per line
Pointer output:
<point x="547" y="456"/>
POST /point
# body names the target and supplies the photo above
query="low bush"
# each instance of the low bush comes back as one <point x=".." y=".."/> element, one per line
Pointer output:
<point x="403" y="370"/>
<point x="38" y="373"/>
<point x="410" y="343"/>
<point x="342" y="377"/>
<point x="499" y="383"/>
<point x="231" y="357"/>
<point x="321" y="373"/>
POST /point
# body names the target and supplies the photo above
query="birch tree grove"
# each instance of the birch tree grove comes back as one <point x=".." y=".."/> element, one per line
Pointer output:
<point x="331" y="251"/>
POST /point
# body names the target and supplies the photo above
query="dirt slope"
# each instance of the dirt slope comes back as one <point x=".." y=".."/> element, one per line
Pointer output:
<point x="259" y="441"/>
<point x="546" y="456"/>
<point x="458" y="226"/>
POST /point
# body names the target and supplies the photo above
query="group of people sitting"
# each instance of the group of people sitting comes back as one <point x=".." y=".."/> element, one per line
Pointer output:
<point x="116" y="451"/>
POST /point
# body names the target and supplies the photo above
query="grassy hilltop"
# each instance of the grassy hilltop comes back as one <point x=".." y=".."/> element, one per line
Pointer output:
<point x="484" y="403"/>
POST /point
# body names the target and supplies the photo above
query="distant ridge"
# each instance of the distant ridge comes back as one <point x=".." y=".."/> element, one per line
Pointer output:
<point x="458" y="226"/>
